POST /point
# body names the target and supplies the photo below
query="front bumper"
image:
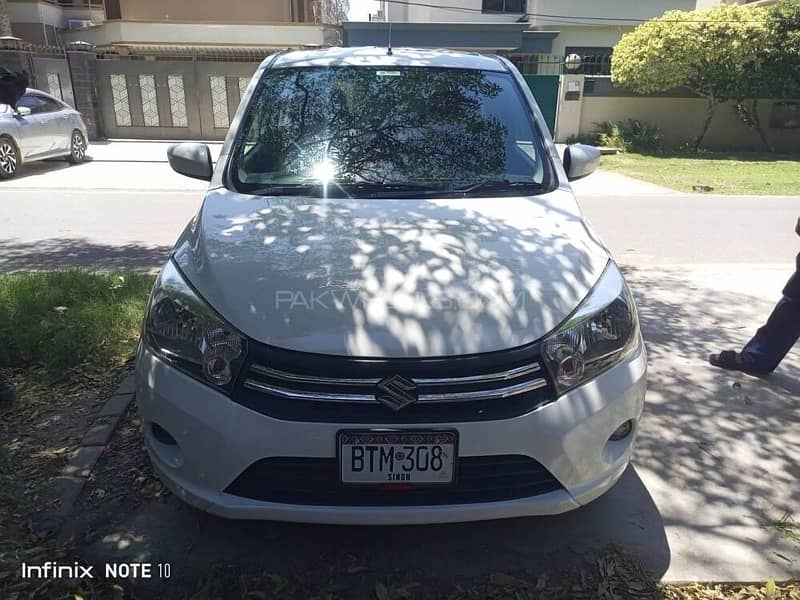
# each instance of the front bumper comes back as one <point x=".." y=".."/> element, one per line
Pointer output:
<point x="217" y="439"/>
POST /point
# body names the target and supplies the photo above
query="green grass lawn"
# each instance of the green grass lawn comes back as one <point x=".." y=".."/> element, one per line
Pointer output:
<point x="744" y="173"/>
<point x="57" y="320"/>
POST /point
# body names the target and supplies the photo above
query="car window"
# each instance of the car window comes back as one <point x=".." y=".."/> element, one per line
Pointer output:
<point x="50" y="105"/>
<point x="441" y="128"/>
<point x="38" y="104"/>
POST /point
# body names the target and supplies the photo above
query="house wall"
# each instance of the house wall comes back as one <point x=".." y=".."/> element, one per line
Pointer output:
<point x="398" y="12"/>
<point x="591" y="36"/>
<point x="605" y="9"/>
<point x="273" y="11"/>
<point x="38" y="21"/>
<point x="471" y="10"/>
<point x="681" y="119"/>
<point x="288" y="35"/>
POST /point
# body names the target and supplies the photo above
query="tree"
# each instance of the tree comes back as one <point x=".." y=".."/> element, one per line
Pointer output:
<point x="783" y="51"/>
<point x="5" y="19"/>
<point x="330" y="11"/>
<point x="777" y="73"/>
<point x="708" y="51"/>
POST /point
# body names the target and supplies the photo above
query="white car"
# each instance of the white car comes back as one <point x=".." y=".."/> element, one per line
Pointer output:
<point x="41" y="127"/>
<point x="389" y="309"/>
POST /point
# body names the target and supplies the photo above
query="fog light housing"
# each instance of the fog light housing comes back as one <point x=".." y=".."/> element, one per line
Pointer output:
<point x="162" y="435"/>
<point x="623" y="431"/>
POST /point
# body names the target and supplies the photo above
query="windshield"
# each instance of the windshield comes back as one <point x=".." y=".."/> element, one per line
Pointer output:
<point x="365" y="131"/>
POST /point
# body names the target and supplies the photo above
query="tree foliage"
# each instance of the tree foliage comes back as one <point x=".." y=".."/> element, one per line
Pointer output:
<point x="781" y="73"/>
<point x="330" y="11"/>
<point x="712" y="52"/>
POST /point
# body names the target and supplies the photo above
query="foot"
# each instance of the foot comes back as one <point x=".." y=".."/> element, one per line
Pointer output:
<point x="7" y="389"/>
<point x="734" y="361"/>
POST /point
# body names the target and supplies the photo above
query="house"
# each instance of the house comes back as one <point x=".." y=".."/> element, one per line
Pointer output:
<point x="41" y="21"/>
<point x="519" y="29"/>
<point x="169" y="26"/>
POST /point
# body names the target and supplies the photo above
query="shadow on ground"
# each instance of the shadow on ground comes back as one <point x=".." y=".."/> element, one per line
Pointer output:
<point x="59" y="253"/>
<point x="194" y="542"/>
<point x="719" y="451"/>
<point x="716" y="460"/>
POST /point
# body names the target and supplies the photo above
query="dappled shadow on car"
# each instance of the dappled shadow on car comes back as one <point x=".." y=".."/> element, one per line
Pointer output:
<point x="59" y="253"/>
<point x="399" y="277"/>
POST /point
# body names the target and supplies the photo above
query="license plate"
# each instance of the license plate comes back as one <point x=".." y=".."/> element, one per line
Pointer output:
<point x="397" y="457"/>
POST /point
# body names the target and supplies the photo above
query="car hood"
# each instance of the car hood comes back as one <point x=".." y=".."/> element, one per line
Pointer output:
<point x="391" y="278"/>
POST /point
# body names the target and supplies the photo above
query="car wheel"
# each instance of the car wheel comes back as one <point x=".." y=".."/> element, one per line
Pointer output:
<point x="77" y="148"/>
<point x="9" y="158"/>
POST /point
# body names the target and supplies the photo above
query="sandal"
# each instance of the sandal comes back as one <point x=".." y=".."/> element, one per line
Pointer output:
<point x="733" y="361"/>
<point x="7" y="390"/>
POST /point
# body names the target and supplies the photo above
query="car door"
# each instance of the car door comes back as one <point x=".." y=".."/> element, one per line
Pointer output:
<point x="33" y="137"/>
<point x="54" y="125"/>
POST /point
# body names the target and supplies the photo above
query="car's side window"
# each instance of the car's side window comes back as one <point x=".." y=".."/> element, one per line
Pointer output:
<point x="31" y="101"/>
<point x="38" y="104"/>
<point x="50" y="105"/>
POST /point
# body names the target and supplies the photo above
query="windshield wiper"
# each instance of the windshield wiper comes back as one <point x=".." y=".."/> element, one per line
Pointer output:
<point x="393" y="190"/>
<point x="495" y="185"/>
<point x="343" y="190"/>
<point x="283" y="189"/>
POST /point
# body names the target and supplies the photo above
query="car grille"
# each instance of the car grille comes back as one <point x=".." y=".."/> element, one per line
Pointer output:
<point x="315" y="481"/>
<point x="298" y="386"/>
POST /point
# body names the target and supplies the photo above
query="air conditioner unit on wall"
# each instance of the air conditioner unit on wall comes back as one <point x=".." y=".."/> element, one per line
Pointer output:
<point x="79" y="23"/>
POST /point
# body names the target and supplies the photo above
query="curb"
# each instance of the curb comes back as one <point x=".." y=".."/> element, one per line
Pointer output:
<point x="73" y="477"/>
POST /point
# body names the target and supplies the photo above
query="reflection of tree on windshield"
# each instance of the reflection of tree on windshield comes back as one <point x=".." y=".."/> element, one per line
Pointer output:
<point x="409" y="125"/>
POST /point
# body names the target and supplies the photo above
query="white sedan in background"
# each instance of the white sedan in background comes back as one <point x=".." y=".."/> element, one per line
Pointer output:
<point x="41" y="127"/>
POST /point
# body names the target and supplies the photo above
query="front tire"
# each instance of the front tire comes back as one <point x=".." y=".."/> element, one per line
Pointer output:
<point x="9" y="157"/>
<point x="77" y="148"/>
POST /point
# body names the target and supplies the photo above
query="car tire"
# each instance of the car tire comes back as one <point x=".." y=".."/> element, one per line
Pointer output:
<point x="77" y="148"/>
<point x="9" y="157"/>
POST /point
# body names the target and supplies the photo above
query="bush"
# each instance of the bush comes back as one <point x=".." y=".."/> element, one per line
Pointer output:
<point x="630" y="136"/>
<point x="583" y="138"/>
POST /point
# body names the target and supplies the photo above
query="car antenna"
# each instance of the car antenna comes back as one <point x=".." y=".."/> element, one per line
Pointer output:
<point x="389" y="49"/>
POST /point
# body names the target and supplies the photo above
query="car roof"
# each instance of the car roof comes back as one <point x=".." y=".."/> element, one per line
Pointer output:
<point x="379" y="57"/>
<point x="42" y="93"/>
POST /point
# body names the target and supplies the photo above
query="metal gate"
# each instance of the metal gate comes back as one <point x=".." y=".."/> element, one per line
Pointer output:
<point x="545" y="90"/>
<point x="170" y="99"/>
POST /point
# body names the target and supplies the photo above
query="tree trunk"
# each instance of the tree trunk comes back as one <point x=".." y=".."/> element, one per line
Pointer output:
<point x="712" y="104"/>
<point x="5" y="19"/>
<point x="747" y="111"/>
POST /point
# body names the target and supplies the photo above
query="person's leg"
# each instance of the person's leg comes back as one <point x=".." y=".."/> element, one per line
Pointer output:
<point x="7" y="390"/>
<point x="771" y="342"/>
<point x="774" y="340"/>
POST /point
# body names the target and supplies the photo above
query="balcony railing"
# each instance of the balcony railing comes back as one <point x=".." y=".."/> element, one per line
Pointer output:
<point x="76" y="3"/>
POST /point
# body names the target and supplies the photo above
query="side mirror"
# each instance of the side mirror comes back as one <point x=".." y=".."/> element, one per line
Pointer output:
<point x="191" y="159"/>
<point x="580" y="160"/>
<point x="23" y="111"/>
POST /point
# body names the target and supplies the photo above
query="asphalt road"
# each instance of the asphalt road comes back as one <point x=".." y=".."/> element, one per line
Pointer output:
<point x="135" y="228"/>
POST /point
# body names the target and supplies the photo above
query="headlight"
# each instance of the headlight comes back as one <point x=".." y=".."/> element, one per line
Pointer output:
<point x="596" y="336"/>
<point x="184" y="330"/>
